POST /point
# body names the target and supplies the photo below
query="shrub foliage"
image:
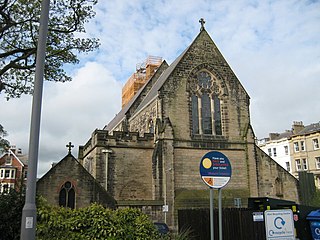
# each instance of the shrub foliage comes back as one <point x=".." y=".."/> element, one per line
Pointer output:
<point x="93" y="222"/>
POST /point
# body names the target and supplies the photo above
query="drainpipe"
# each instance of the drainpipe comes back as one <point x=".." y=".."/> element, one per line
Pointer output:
<point x="106" y="152"/>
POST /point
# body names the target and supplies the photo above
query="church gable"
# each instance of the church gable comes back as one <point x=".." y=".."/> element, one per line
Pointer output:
<point x="203" y="89"/>
<point x="68" y="184"/>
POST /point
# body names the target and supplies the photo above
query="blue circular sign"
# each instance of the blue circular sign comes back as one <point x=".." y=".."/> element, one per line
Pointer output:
<point x="215" y="169"/>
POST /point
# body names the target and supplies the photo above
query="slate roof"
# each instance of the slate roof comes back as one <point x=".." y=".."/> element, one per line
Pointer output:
<point x="150" y="95"/>
<point x="121" y="115"/>
<point x="153" y="92"/>
<point x="161" y="80"/>
<point x="314" y="127"/>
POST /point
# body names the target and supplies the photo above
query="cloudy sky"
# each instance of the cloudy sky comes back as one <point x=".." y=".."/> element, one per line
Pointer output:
<point x="272" y="46"/>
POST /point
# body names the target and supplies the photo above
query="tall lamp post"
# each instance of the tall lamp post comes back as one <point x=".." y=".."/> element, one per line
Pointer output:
<point x="29" y="212"/>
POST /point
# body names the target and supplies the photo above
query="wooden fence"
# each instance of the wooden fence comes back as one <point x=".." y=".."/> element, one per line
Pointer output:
<point x="237" y="224"/>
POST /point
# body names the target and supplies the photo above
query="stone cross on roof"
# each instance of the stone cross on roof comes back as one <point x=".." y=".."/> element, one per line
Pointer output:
<point x="69" y="146"/>
<point x="202" y="22"/>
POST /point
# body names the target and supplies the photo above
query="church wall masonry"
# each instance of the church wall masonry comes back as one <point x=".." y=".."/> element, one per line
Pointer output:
<point x="185" y="110"/>
<point x="122" y="163"/>
<point x="87" y="189"/>
<point x="274" y="180"/>
<point x="175" y="93"/>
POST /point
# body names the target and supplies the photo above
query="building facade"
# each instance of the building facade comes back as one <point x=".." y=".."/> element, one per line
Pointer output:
<point x="13" y="170"/>
<point x="277" y="146"/>
<point x="148" y="156"/>
<point x="305" y="151"/>
<point x="296" y="150"/>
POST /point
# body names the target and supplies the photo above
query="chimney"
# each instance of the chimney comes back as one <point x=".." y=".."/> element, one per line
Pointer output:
<point x="273" y="136"/>
<point x="297" y="127"/>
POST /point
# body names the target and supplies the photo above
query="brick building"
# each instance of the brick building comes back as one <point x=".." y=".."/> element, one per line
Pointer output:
<point x="148" y="156"/>
<point x="13" y="170"/>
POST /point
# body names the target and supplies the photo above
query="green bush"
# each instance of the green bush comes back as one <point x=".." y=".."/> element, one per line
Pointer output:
<point x="93" y="222"/>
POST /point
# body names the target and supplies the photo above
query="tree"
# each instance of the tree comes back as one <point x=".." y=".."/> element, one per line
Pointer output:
<point x="11" y="205"/>
<point x="19" y="27"/>
<point x="4" y="144"/>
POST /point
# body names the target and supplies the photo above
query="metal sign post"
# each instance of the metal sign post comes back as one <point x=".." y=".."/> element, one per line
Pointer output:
<point x="215" y="171"/>
<point x="211" y="215"/>
<point x="220" y="212"/>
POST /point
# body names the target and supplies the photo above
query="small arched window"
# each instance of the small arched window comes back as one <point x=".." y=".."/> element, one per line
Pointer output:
<point x="67" y="195"/>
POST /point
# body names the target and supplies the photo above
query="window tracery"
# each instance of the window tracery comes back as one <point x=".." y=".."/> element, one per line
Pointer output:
<point x="67" y="195"/>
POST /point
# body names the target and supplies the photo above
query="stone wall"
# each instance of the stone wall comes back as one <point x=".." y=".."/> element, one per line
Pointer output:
<point x="175" y="93"/>
<point x="87" y="189"/>
<point x="275" y="181"/>
<point x="122" y="163"/>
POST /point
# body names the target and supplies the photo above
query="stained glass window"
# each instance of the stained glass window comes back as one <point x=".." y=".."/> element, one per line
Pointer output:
<point x="217" y="115"/>
<point x="204" y="79"/>
<point x="206" y="114"/>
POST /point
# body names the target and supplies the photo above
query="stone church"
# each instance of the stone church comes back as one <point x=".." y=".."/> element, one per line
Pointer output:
<point x="148" y="156"/>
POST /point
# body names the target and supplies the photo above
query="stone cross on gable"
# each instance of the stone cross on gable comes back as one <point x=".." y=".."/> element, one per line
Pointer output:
<point x="69" y="146"/>
<point x="202" y="22"/>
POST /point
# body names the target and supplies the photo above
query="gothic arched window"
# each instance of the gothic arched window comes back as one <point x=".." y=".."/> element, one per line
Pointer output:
<point x="67" y="195"/>
<point x="205" y="106"/>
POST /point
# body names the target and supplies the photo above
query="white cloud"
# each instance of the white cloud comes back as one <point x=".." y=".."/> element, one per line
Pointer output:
<point x="272" y="46"/>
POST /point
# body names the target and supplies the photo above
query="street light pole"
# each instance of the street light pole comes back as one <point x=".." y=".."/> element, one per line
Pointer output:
<point x="29" y="212"/>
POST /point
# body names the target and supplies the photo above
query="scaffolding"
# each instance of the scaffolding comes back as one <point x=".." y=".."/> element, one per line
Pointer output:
<point x="144" y="71"/>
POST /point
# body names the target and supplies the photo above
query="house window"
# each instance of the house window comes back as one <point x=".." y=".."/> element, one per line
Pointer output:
<point x="25" y="173"/>
<point x="274" y="152"/>
<point x="7" y="173"/>
<point x="318" y="162"/>
<point x="13" y="173"/>
<point x="296" y="146"/>
<point x="8" y="159"/>
<point x="286" y="150"/>
<point x="67" y="195"/>
<point x="1" y="173"/>
<point x="5" y="188"/>
<point x="205" y="107"/>
<point x="304" y="164"/>
<point x="288" y="166"/>
<point x="315" y="143"/>
<point x="298" y="165"/>
<point x="302" y="146"/>
<point x="269" y="152"/>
